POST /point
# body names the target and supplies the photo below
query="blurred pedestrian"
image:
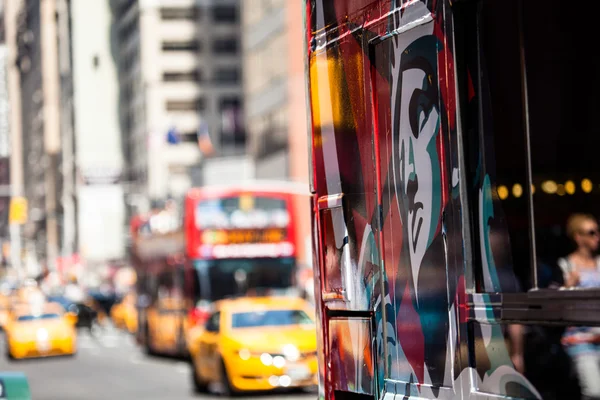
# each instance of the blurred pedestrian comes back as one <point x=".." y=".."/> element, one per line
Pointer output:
<point x="581" y="269"/>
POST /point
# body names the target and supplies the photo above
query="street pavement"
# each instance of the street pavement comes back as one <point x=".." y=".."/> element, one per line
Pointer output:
<point x="109" y="365"/>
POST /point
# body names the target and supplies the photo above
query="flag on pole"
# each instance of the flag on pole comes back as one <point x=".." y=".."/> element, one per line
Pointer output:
<point x="204" y="141"/>
<point x="173" y="136"/>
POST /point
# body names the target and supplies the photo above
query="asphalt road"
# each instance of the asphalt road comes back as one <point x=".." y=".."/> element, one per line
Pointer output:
<point x="110" y="366"/>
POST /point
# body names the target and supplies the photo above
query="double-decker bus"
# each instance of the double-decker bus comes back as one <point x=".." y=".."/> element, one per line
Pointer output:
<point x="245" y="238"/>
<point x="451" y="142"/>
<point x="232" y="240"/>
<point x="165" y="281"/>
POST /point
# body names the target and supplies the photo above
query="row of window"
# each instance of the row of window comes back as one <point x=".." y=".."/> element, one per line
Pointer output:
<point x="199" y="104"/>
<point x="239" y="139"/>
<point x="220" y="13"/>
<point x="228" y="75"/>
<point x="219" y="46"/>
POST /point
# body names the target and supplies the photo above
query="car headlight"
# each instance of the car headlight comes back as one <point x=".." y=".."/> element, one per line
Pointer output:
<point x="42" y="334"/>
<point x="291" y="352"/>
<point x="266" y="359"/>
<point x="278" y="361"/>
<point x="244" y="354"/>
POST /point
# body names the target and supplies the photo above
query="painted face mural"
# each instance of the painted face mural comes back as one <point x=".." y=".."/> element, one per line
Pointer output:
<point x="416" y="123"/>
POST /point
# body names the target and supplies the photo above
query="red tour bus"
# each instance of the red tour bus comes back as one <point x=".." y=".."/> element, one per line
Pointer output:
<point x="243" y="238"/>
<point x="450" y="142"/>
<point x="232" y="240"/>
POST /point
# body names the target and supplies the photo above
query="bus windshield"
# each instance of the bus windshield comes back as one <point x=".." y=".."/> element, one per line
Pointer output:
<point x="254" y="319"/>
<point x="218" y="279"/>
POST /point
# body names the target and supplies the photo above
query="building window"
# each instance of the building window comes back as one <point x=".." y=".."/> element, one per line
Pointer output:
<point x="229" y="102"/>
<point x="225" y="46"/>
<point x="225" y="14"/>
<point x="189" y="76"/>
<point x="177" y="13"/>
<point x="185" y="105"/>
<point x="232" y="127"/>
<point x="189" y="137"/>
<point x="227" y="75"/>
<point x="190" y="45"/>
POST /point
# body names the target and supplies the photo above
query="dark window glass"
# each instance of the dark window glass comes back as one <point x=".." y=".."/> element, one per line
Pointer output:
<point x="256" y="319"/>
<point x="225" y="46"/>
<point x="192" y="45"/>
<point x="499" y="159"/>
<point x="227" y="75"/>
<point x="229" y="102"/>
<point x="36" y="317"/>
<point x="173" y="13"/>
<point x="217" y="279"/>
<point x="214" y="322"/>
<point x="564" y="141"/>
<point x="232" y="125"/>
<point x="225" y="14"/>
<point x="190" y="76"/>
<point x="189" y="137"/>
<point x="185" y="105"/>
<point x="556" y="115"/>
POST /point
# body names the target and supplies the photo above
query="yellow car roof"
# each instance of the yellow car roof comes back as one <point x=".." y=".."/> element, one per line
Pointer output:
<point x="268" y="302"/>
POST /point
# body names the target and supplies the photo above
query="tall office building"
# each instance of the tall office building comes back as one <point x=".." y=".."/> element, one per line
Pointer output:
<point x="180" y="91"/>
<point x="37" y="60"/>
<point x="274" y="95"/>
<point x="97" y="146"/>
<point x="4" y="132"/>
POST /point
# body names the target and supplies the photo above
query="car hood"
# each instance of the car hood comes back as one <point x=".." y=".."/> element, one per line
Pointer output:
<point x="272" y="340"/>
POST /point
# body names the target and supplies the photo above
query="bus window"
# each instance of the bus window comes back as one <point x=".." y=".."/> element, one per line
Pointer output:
<point x="332" y="251"/>
<point x="563" y="104"/>
<point x="498" y="161"/>
<point x="358" y="375"/>
<point x="531" y="149"/>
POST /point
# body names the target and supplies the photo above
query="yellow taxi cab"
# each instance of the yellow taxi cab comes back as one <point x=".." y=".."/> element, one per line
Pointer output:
<point x="167" y="326"/>
<point x="40" y="330"/>
<point x="256" y="343"/>
<point x="124" y="314"/>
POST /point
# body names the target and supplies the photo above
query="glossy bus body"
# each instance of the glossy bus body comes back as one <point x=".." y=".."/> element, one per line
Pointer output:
<point x="429" y="278"/>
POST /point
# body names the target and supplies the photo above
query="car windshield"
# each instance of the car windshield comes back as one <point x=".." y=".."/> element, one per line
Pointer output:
<point x="38" y="317"/>
<point x="270" y="318"/>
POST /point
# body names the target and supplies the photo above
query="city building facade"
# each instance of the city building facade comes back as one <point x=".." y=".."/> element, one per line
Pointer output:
<point x="97" y="146"/>
<point x="37" y="60"/>
<point x="181" y="92"/>
<point x="4" y="134"/>
<point x="275" y="96"/>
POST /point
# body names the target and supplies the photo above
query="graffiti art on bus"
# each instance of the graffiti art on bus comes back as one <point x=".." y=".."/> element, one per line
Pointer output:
<point x="404" y="250"/>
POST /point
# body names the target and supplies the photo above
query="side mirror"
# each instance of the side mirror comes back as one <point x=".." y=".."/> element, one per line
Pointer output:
<point x="72" y="318"/>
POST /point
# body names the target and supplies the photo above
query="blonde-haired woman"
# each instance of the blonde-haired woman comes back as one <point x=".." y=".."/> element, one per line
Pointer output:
<point x="581" y="269"/>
